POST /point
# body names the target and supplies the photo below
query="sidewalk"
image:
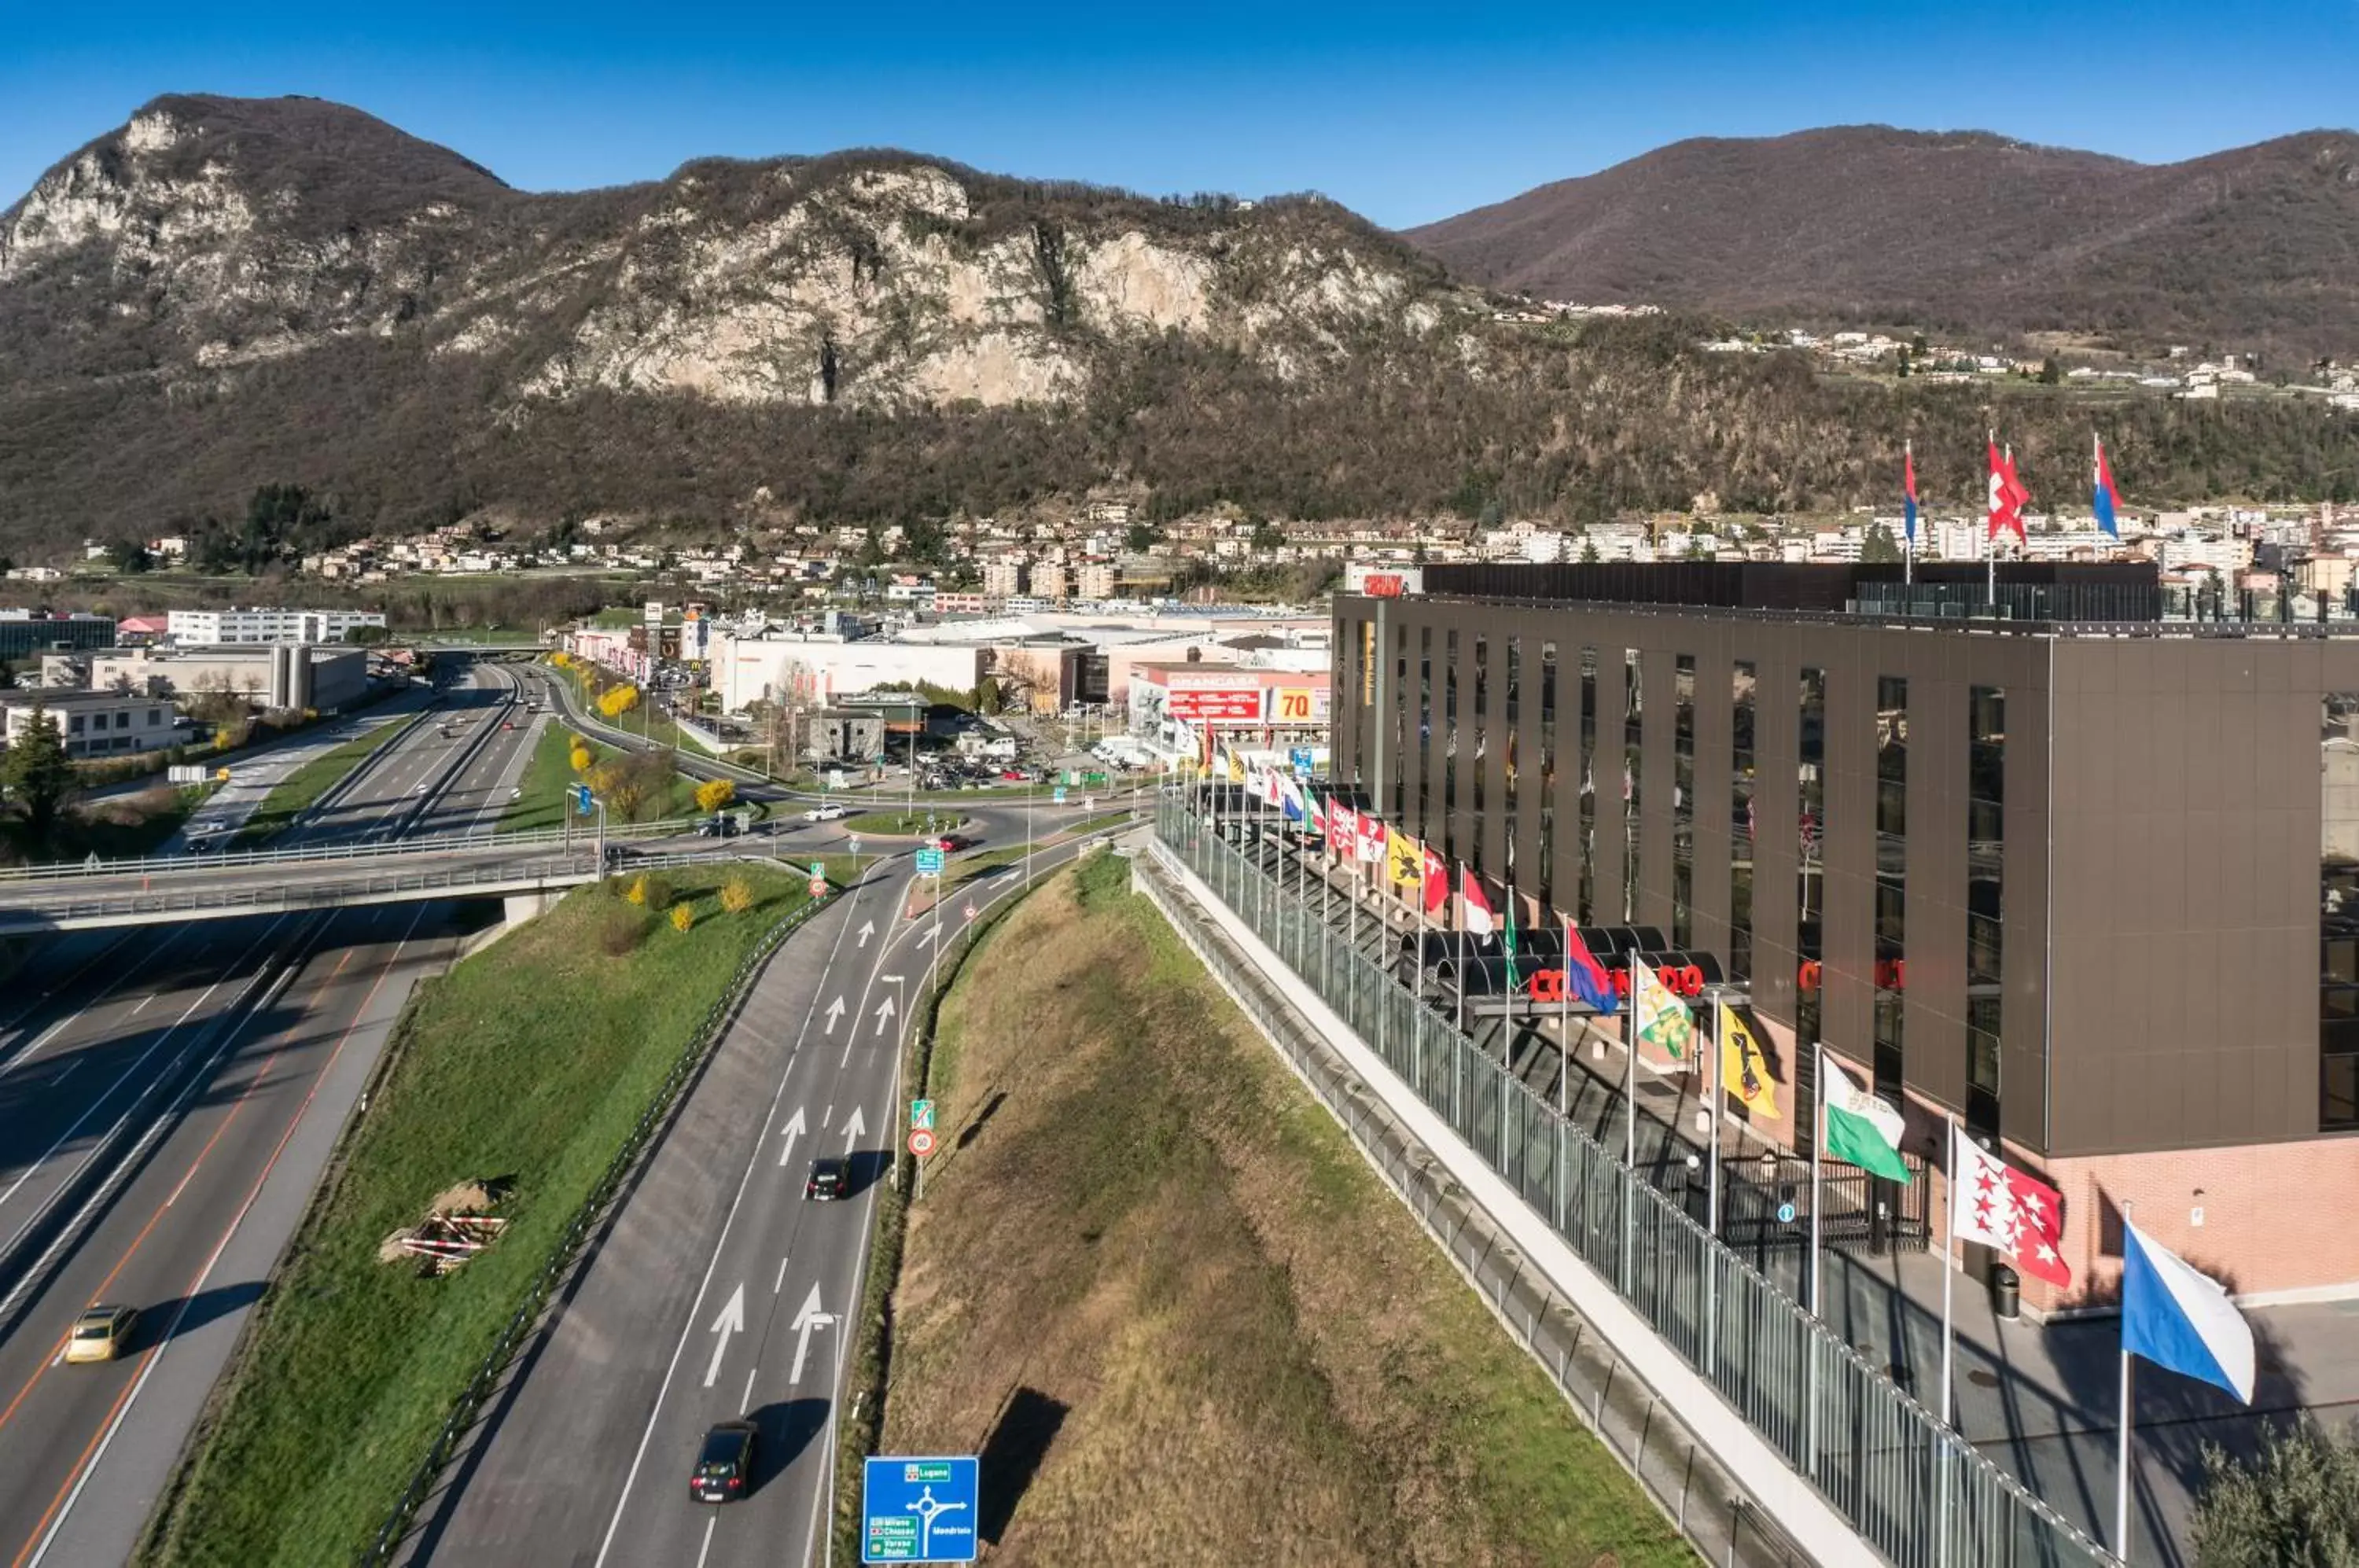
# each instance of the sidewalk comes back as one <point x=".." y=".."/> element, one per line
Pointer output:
<point x="2040" y="1401"/>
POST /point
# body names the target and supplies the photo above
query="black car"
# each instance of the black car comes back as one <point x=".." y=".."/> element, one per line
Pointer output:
<point x="725" y="1465"/>
<point x="829" y="1180"/>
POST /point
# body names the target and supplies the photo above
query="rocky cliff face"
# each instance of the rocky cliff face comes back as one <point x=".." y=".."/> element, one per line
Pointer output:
<point x="210" y="234"/>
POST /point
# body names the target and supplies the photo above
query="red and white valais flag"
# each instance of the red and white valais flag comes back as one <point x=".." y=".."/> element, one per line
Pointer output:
<point x="1992" y="1202"/>
<point x="1480" y="919"/>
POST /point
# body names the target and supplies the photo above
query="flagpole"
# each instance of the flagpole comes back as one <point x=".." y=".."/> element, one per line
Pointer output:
<point x="1711" y="1200"/>
<point x="1990" y="549"/>
<point x="1564" y="1029"/>
<point x="2121" y="1479"/>
<point x="1629" y="1120"/>
<point x="1949" y="1286"/>
<point x="1908" y="543"/>
<point x="1818" y="1137"/>
<point x="1461" y="948"/>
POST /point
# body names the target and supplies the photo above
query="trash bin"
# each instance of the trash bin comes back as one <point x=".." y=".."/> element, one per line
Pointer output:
<point x="2006" y="1293"/>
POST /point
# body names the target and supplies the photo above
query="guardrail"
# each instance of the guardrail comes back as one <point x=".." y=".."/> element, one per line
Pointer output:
<point x="478" y="1387"/>
<point x="670" y="827"/>
<point x="1911" y="1488"/>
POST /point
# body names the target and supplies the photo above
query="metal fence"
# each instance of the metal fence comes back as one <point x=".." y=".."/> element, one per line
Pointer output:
<point x="586" y="1218"/>
<point x="1912" y="1488"/>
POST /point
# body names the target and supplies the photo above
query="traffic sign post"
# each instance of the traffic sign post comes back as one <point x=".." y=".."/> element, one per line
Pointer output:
<point x="819" y="887"/>
<point x="920" y="1511"/>
<point x="921" y="1143"/>
<point x="921" y="1115"/>
<point x="929" y="863"/>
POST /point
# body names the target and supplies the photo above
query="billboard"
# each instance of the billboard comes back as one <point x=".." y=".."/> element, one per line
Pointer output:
<point x="655" y="611"/>
<point x="1218" y="701"/>
<point x="1382" y="582"/>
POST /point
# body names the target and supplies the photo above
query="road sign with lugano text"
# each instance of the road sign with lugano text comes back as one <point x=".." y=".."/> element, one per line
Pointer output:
<point x="920" y="1511"/>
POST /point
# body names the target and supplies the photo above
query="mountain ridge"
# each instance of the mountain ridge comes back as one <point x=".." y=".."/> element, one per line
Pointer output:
<point x="1968" y="232"/>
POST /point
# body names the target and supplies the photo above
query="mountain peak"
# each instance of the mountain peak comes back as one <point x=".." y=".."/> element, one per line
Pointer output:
<point x="1961" y="230"/>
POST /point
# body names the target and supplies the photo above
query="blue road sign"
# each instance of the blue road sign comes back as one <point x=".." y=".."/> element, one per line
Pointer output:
<point x="1785" y="1213"/>
<point x="920" y="1511"/>
<point x="929" y="863"/>
<point x="1057" y="796"/>
<point x="582" y="798"/>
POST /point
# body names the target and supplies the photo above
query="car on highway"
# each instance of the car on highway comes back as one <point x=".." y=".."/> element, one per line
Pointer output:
<point x="101" y="1334"/>
<point x="827" y="814"/>
<point x="725" y="1465"/>
<point x="950" y="844"/>
<point x="829" y="1180"/>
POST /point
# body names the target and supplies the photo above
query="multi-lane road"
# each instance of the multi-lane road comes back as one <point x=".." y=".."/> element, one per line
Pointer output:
<point x="167" y="1099"/>
<point x="718" y="1291"/>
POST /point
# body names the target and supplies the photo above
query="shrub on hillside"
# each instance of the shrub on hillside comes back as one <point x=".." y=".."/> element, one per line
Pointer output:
<point x="620" y="928"/>
<point x="2298" y="1502"/>
<point x="737" y="894"/>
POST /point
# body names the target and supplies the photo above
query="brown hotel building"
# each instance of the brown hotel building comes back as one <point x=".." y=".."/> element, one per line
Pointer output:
<point x="2085" y="877"/>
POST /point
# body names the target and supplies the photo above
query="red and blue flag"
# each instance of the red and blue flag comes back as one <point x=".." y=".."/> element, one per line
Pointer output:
<point x="1588" y="978"/>
<point x="2105" y="498"/>
<point x="1909" y="489"/>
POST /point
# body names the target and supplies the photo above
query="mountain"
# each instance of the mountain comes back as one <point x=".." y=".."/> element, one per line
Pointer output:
<point x="2253" y="249"/>
<point x="227" y="294"/>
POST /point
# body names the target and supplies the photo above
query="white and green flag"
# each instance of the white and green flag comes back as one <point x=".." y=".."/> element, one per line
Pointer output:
<point x="1861" y="1129"/>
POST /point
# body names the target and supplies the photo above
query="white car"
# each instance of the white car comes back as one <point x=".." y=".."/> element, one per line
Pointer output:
<point x="826" y="813"/>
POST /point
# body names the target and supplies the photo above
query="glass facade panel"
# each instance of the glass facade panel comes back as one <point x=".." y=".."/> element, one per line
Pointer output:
<point x="1891" y="875"/>
<point x="1985" y="899"/>
<point x="1634" y="731"/>
<point x="1547" y="867"/>
<point x="1739" y="826"/>
<point x="2337" y="911"/>
<point x="1446" y="828"/>
<point x="1809" y="879"/>
<point x="1472" y="850"/>
<point x="1588" y="907"/>
<point x="1683" y="730"/>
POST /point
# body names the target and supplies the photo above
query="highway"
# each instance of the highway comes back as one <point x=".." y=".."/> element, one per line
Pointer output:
<point x="716" y="1292"/>
<point x="168" y="1098"/>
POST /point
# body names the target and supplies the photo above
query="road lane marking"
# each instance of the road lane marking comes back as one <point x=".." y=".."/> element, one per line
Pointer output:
<point x="791" y="1131"/>
<point x="87" y="1465"/>
<point x="780" y="1282"/>
<point x="745" y="1399"/>
<point x="647" y="1434"/>
<point x="730" y="1323"/>
<point x="706" y="1550"/>
<point x="807" y="1318"/>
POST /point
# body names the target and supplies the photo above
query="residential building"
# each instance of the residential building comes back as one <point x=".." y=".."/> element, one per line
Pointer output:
<point x="217" y="628"/>
<point x="1096" y="581"/>
<point x="2094" y="896"/>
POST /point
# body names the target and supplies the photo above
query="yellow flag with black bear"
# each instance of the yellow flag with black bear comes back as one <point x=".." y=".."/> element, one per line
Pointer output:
<point x="1744" y="1067"/>
<point x="1404" y="860"/>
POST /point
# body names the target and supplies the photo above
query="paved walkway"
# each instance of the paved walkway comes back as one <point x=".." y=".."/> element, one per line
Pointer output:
<point x="2040" y="1401"/>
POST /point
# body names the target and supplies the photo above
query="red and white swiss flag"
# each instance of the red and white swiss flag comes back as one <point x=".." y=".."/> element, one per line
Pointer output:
<point x="1992" y="1202"/>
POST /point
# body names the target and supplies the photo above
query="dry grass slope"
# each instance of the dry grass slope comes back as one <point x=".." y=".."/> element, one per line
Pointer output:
<point x="1148" y="1263"/>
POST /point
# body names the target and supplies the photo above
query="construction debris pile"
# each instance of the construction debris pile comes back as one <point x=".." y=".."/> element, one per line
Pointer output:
<point x="458" y="1225"/>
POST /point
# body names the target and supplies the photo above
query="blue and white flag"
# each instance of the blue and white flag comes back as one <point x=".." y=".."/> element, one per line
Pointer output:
<point x="2178" y="1318"/>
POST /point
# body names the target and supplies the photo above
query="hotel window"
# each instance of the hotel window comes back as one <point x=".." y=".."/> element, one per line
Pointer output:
<point x="1587" y="906"/>
<point x="1891" y="874"/>
<point x="1986" y="898"/>
<point x="1449" y="748"/>
<point x="1548" y="775"/>
<point x="1513" y="701"/>
<point x="1810" y="876"/>
<point x="1472" y="850"/>
<point x="1683" y="677"/>
<point x="1740" y="824"/>
<point x="2338" y="913"/>
<point x="1634" y="731"/>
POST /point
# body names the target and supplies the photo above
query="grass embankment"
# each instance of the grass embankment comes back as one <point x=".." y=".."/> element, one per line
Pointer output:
<point x="550" y="773"/>
<point x="301" y="789"/>
<point x="1226" y="1342"/>
<point x="891" y="824"/>
<point x="530" y="1061"/>
<point x="125" y="827"/>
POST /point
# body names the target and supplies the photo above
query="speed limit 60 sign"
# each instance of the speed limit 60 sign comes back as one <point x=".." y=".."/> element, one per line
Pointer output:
<point x="921" y="1142"/>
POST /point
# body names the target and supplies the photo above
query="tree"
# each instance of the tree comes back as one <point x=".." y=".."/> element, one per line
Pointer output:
<point x="637" y="892"/>
<point x="128" y="555"/>
<point x="736" y="895"/>
<point x="2051" y="372"/>
<point x="37" y="774"/>
<point x="1878" y="547"/>
<point x="2297" y="1504"/>
<point x="714" y="793"/>
<point x="579" y="757"/>
<point x="682" y="917"/>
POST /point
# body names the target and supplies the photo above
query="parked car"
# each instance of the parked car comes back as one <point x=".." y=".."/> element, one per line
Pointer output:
<point x="101" y="1334"/>
<point x="724" y="1465"/>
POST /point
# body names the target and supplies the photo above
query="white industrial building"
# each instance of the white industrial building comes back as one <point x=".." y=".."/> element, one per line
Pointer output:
<point x="220" y="629"/>
<point x="93" y="724"/>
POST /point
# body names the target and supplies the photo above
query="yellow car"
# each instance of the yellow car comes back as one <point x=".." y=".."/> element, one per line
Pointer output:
<point x="101" y="1334"/>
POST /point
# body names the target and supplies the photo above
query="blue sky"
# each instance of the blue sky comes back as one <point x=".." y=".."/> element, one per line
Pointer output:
<point x="1405" y="112"/>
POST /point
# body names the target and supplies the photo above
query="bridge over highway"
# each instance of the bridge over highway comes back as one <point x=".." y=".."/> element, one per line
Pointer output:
<point x="183" y="887"/>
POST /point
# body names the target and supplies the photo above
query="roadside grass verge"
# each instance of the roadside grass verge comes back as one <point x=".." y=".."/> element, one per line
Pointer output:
<point x="550" y="773"/>
<point x="301" y="789"/>
<point x="900" y="823"/>
<point x="1152" y="1273"/>
<point x="529" y="1061"/>
<point x="126" y="827"/>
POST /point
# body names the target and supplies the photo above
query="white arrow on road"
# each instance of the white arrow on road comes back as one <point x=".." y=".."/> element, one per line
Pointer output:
<point x="867" y="930"/>
<point x="809" y="1318"/>
<point x="927" y="935"/>
<point x="731" y="1321"/>
<point x="884" y="1011"/>
<point x="834" y="1014"/>
<point x="794" y="1130"/>
<point x="852" y="1129"/>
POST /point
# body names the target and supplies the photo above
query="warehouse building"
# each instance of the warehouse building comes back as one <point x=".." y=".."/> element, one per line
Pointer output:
<point x="2086" y="879"/>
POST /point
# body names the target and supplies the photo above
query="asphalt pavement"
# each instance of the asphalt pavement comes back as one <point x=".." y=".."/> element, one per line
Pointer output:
<point x="717" y="1292"/>
<point x="168" y="1098"/>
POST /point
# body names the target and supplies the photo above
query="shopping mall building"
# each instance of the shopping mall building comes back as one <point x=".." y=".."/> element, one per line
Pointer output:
<point x="2083" y="877"/>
